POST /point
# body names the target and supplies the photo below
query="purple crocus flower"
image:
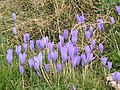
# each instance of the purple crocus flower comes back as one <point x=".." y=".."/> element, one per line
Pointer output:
<point x="118" y="9"/>
<point x="14" y="30"/>
<point x="25" y="46"/>
<point x="74" y="40"/>
<point x="9" y="56"/>
<point x="91" y="30"/>
<point x="22" y="58"/>
<point x="26" y="37"/>
<point x="54" y="56"/>
<point x="93" y="42"/>
<point x="38" y="43"/>
<point x="74" y="33"/>
<point x="87" y="34"/>
<point x="87" y="49"/>
<point x="76" y="50"/>
<point x="78" y="60"/>
<point x="45" y="39"/>
<point x="100" y="24"/>
<point x="31" y="45"/>
<point x="80" y="19"/>
<point x="90" y="57"/>
<point x="42" y="44"/>
<point x="47" y="68"/>
<point x="36" y="63"/>
<point x="14" y="17"/>
<point x="40" y="58"/>
<point x="71" y="50"/>
<point x="59" y="45"/>
<point x="116" y="77"/>
<point x="64" y="54"/>
<point x="51" y="46"/>
<point x="109" y="66"/>
<point x="65" y="34"/>
<point x="18" y="49"/>
<point x="75" y="61"/>
<point x="61" y="38"/>
<point x="31" y="63"/>
<point x="104" y="60"/>
<point x="21" y="69"/>
<point x="101" y="47"/>
<point x="112" y="20"/>
<point x="59" y="67"/>
<point x="83" y="61"/>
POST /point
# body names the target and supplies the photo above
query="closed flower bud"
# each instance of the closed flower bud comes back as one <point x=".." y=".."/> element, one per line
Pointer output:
<point x="9" y="56"/>
<point x="14" y="17"/>
<point x="21" y="69"/>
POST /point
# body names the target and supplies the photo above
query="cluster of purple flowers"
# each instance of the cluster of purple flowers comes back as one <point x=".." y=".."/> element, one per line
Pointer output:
<point x="68" y="49"/>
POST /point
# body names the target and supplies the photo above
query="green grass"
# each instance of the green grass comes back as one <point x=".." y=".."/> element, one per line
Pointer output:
<point x="51" y="17"/>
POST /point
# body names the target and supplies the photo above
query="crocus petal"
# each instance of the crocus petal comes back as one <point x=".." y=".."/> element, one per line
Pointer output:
<point x="59" y="68"/>
<point x="74" y="33"/>
<point x="93" y="42"/>
<point x="42" y="44"/>
<point x="104" y="60"/>
<point x="21" y="69"/>
<point x="59" y="45"/>
<point x="47" y="68"/>
<point x="112" y="20"/>
<point x="64" y="54"/>
<point x="87" y="49"/>
<point x="61" y="38"/>
<point x="14" y="30"/>
<point x="14" y="17"/>
<point x="87" y="34"/>
<point x="54" y="56"/>
<point x="109" y="65"/>
<point x="74" y="40"/>
<point x="91" y="29"/>
<point x="26" y="37"/>
<point x="25" y="46"/>
<point x="118" y="9"/>
<point x="22" y="58"/>
<point x="36" y="64"/>
<point x="40" y="58"/>
<point x="65" y="34"/>
<point x="31" y="45"/>
<point x="116" y="76"/>
<point x="9" y="56"/>
<point x="38" y="73"/>
<point x="18" y="49"/>
<point x="31" y="63"/>
<point x="90" y="57"/>
<point x="84" y="61"/>
<point x="45" y="39"/>
<point x="51" y="46"/>
<point x="75" y="61"/>
<point x="100" y="24"/>
<point x="101" y="47"/>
